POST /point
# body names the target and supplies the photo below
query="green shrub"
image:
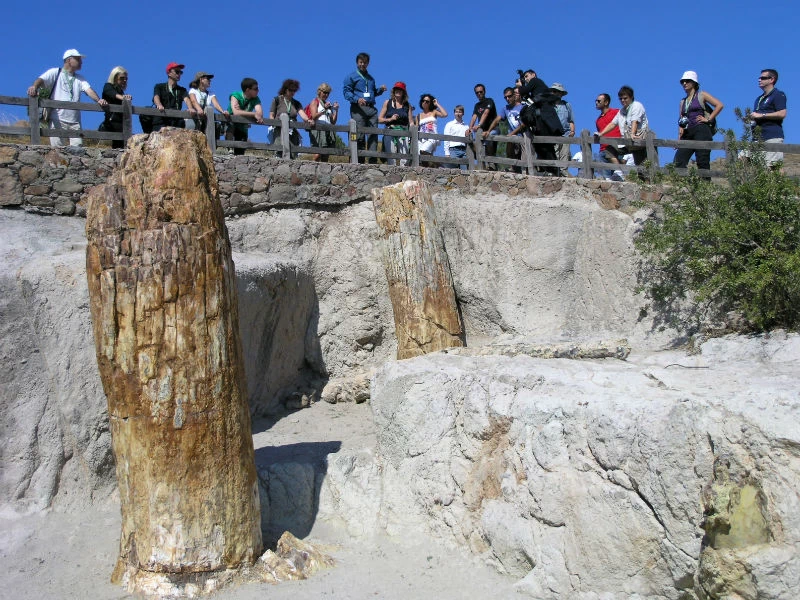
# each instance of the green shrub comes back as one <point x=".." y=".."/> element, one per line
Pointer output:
<point x="726" y="247"/>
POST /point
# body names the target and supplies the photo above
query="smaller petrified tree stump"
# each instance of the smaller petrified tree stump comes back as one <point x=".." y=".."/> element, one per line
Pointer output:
<point x="421" y="289"/>
<point x="165" y="317"/>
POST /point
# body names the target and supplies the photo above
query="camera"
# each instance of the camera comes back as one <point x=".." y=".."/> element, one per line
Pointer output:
<point x="683" y="122"/>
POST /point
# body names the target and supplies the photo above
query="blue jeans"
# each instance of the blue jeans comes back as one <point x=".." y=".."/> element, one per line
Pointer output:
<point x="458" y="152"/>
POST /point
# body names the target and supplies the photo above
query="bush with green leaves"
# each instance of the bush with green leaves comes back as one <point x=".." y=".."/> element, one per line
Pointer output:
<point x="728" y="247"/>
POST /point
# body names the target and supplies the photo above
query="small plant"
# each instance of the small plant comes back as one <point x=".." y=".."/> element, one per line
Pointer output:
<point x="725" y="248"/>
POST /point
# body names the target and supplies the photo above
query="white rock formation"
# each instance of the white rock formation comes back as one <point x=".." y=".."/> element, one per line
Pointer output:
<point x="586" y="478"/>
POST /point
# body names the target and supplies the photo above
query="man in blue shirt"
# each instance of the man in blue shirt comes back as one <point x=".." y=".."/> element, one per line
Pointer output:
<point x="360" y="91"/>
<point x="769" y="111"/>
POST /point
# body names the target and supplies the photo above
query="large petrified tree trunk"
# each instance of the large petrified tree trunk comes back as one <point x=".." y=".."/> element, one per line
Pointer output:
<point x="426" y="315"/>
<point x="166" y="328"/>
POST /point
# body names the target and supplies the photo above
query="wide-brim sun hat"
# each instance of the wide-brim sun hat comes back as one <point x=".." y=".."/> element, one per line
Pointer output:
<point x="691" y="76"/>
<point x="199" y="75"/>
<point x="559" y="88"/>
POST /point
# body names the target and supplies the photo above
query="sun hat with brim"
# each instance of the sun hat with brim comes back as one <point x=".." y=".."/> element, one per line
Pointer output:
<point x="691" y="76"/>
<point x="559" y="88"/>
<point x="174" y="65"/>
<point x="72" y="52"/>
<point x="199" y="75"/>
<point x="399" y="86"/>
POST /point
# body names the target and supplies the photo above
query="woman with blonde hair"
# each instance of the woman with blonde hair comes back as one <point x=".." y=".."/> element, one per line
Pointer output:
<point x="114" y="93"/>
<point x="321" y="110"/>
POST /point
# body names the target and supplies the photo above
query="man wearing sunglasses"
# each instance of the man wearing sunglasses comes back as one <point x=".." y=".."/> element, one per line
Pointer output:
<point x="171" y="96"/>
<point x="769" y="111"/>
<point x="66" y="85"/>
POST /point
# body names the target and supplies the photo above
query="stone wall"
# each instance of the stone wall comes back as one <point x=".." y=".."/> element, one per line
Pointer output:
<point x="47" y="180"/>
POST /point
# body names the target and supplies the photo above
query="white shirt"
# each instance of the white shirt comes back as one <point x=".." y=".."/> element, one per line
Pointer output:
<point x="68" y="88"/>
<point x="455" y="128"/>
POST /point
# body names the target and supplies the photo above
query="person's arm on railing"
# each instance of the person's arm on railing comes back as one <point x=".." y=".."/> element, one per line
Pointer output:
<point x="33" y="90"/>
<point x="257" y="113"/>
<point x="491" y="127"/>
<point x="215" y="103"/>
<point x="93" y="95"/>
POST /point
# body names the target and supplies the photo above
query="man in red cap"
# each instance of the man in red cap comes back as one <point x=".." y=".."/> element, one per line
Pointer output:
<point x="170" y="96"/>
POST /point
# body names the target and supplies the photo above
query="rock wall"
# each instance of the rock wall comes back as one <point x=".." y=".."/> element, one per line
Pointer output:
<point x="48" y="180"/>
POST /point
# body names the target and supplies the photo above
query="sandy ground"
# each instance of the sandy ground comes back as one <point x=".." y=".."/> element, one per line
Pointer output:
<point x="55" y="555"/>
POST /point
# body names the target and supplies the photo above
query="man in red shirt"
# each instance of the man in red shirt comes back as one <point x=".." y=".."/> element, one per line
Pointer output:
<point x="608" y="153"/>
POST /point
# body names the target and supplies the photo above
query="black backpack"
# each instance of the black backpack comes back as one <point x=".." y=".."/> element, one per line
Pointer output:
<point x="540" y="115"/>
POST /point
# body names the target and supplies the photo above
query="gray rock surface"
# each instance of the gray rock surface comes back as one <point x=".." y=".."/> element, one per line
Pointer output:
<point x="586" y="478"/>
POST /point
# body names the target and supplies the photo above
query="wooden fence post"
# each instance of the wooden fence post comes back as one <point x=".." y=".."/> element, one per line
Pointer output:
<point x="480" y="153"/>
<point x="285" y="136"/>
<point x="353" y="143"/>
<point x="414" y="145"/>
<point x="527" y="150"/>
<point x="652" y="155"/>
<point x="211" y="129"/>
<point x="586" y="171"/>
<point x="33" y="119"/>
<point x="470" y="156"/>
<point x="127" y="121"/>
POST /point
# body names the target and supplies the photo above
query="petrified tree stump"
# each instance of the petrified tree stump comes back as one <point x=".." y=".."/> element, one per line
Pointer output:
<point x="426" y="315"/>
<point x="166" y="328"/>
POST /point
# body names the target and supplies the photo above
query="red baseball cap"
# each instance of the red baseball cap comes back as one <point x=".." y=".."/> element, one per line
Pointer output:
<point x="174" y="65"/>
<point x="399" y="85"/>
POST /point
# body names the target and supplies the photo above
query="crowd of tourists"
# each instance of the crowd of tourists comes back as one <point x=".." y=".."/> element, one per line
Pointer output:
<point x="531" y="108"/>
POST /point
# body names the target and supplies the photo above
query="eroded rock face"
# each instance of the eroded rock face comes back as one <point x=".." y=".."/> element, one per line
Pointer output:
<point x="164" y="311"/>
<point x="603" y="479"/>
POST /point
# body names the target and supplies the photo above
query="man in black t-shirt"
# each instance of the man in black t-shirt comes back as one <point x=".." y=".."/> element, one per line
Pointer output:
<point x="170" y="95"/>
<point x="483" y="116"/>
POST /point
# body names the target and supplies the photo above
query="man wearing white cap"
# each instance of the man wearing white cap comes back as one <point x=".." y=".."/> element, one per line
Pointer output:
<point x="66" y="86"/>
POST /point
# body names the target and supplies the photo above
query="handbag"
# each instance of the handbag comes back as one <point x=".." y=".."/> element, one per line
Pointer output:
<point x="46" y="112"/>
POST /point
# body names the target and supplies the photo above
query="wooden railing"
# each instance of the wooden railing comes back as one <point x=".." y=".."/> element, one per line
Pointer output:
<point x="476" y="157"/>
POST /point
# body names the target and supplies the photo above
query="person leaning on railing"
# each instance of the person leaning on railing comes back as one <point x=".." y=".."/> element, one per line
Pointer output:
<point x="65" y="85"/>
<point x="245" y="104"/>
<point x="200" y="97"/>
<point x="285" y="102"/>
<point x="114" y="93"/>
<point x="170" y="95"/>
<point x="321" y="110"/>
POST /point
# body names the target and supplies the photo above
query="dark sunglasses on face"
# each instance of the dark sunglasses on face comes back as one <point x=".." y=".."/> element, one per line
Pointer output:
<point x="763" y="77"/>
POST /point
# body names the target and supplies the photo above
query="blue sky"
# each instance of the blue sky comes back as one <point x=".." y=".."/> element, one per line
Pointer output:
<point x="438" y="48"/>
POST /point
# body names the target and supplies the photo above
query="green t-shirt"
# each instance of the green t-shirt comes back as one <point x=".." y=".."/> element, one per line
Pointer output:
<point x="248" y="104"/>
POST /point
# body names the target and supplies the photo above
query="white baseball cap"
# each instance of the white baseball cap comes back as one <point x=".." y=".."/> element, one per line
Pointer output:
<point x="690" y="75"/>
<point x="73" y="52"/>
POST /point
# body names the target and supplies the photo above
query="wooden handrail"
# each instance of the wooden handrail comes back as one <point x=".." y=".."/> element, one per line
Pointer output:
<point x="476" y="157"/>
